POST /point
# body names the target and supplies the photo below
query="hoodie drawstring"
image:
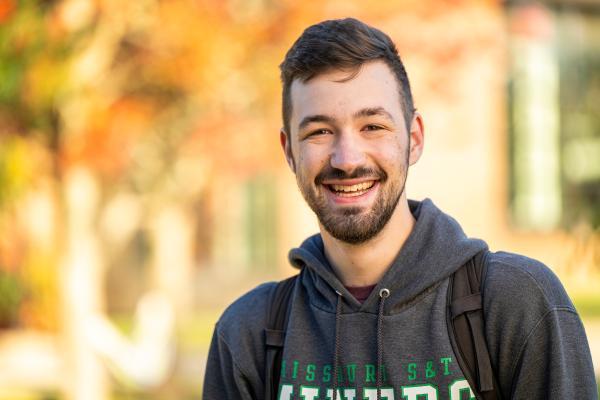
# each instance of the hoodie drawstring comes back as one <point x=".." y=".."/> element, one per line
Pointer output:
<point x="336" y="354"/>
<point x="383" y="294"/>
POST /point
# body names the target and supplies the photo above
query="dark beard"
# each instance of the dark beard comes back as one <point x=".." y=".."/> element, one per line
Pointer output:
<point x="353" y="225"/>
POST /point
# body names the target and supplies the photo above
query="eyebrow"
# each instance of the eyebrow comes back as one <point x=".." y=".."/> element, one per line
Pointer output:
<point x="369" y="112"/>
<point x="315" y="118"/>
<point x="365" y="112"/>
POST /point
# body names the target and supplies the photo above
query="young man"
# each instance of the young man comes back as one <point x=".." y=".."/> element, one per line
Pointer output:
<point x="370" y="304"/>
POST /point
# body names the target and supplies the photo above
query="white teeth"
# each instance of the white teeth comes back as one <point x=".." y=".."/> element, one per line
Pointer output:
<point x="353" y="188"/>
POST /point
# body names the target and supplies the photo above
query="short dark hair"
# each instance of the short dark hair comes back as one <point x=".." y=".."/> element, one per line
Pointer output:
<point x="345" y="44"/>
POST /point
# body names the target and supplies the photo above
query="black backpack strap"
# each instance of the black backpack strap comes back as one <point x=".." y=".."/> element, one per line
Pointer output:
<point x="467" y="327"/>
<point x="277" y="316"/>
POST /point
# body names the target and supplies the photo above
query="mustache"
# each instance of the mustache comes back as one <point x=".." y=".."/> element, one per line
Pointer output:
<point x="360" y="172"/>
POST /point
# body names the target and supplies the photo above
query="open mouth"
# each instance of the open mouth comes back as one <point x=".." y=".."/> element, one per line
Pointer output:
<point x="351" y="190"/>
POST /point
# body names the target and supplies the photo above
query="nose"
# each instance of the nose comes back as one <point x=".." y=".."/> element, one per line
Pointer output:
<point x="348" y="153"/>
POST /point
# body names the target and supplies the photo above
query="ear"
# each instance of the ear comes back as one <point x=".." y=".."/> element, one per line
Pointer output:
<point x="417" y="138"/>
<point x="286" y="146"/>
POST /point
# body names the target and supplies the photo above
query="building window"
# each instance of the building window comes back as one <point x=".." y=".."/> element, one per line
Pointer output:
<point x="554" y="94"/>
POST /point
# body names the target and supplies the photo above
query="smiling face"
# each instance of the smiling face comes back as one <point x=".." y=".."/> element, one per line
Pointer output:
<point x="349" y="148"/>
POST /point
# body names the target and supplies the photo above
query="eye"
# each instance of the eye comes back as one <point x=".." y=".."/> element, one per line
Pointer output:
<point x="372" y="127"/>
<point x="319" y="132"/>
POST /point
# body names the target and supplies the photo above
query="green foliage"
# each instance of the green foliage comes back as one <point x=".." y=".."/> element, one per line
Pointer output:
<point x="33" y="65"/>
<point x="11" y="295"/>
<point x="588" y="306"/>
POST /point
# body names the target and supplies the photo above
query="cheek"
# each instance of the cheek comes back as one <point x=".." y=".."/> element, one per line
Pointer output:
<point x="397" y="151"/>
<point x="391" y="159"/>
<point x="312" y="160"/>
<point x="389" y="152"/>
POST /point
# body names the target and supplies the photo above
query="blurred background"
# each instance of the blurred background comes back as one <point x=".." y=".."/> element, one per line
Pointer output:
<point x="142" y="187"/>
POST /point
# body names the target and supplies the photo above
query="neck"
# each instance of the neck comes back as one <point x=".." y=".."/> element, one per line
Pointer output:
<point x="365" y="264"/>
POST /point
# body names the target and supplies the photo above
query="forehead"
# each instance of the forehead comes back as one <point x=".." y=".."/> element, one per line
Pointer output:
<point x="332" y="93"/>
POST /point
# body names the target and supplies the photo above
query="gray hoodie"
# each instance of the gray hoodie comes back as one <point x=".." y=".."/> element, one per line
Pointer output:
<point x="536" y="340"/>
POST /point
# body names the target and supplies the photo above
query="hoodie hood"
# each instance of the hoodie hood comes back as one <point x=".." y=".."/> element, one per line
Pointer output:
<point x="435" y="248"/>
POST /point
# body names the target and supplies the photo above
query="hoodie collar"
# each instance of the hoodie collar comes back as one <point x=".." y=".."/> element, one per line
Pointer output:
<point x="435" y="248"/>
